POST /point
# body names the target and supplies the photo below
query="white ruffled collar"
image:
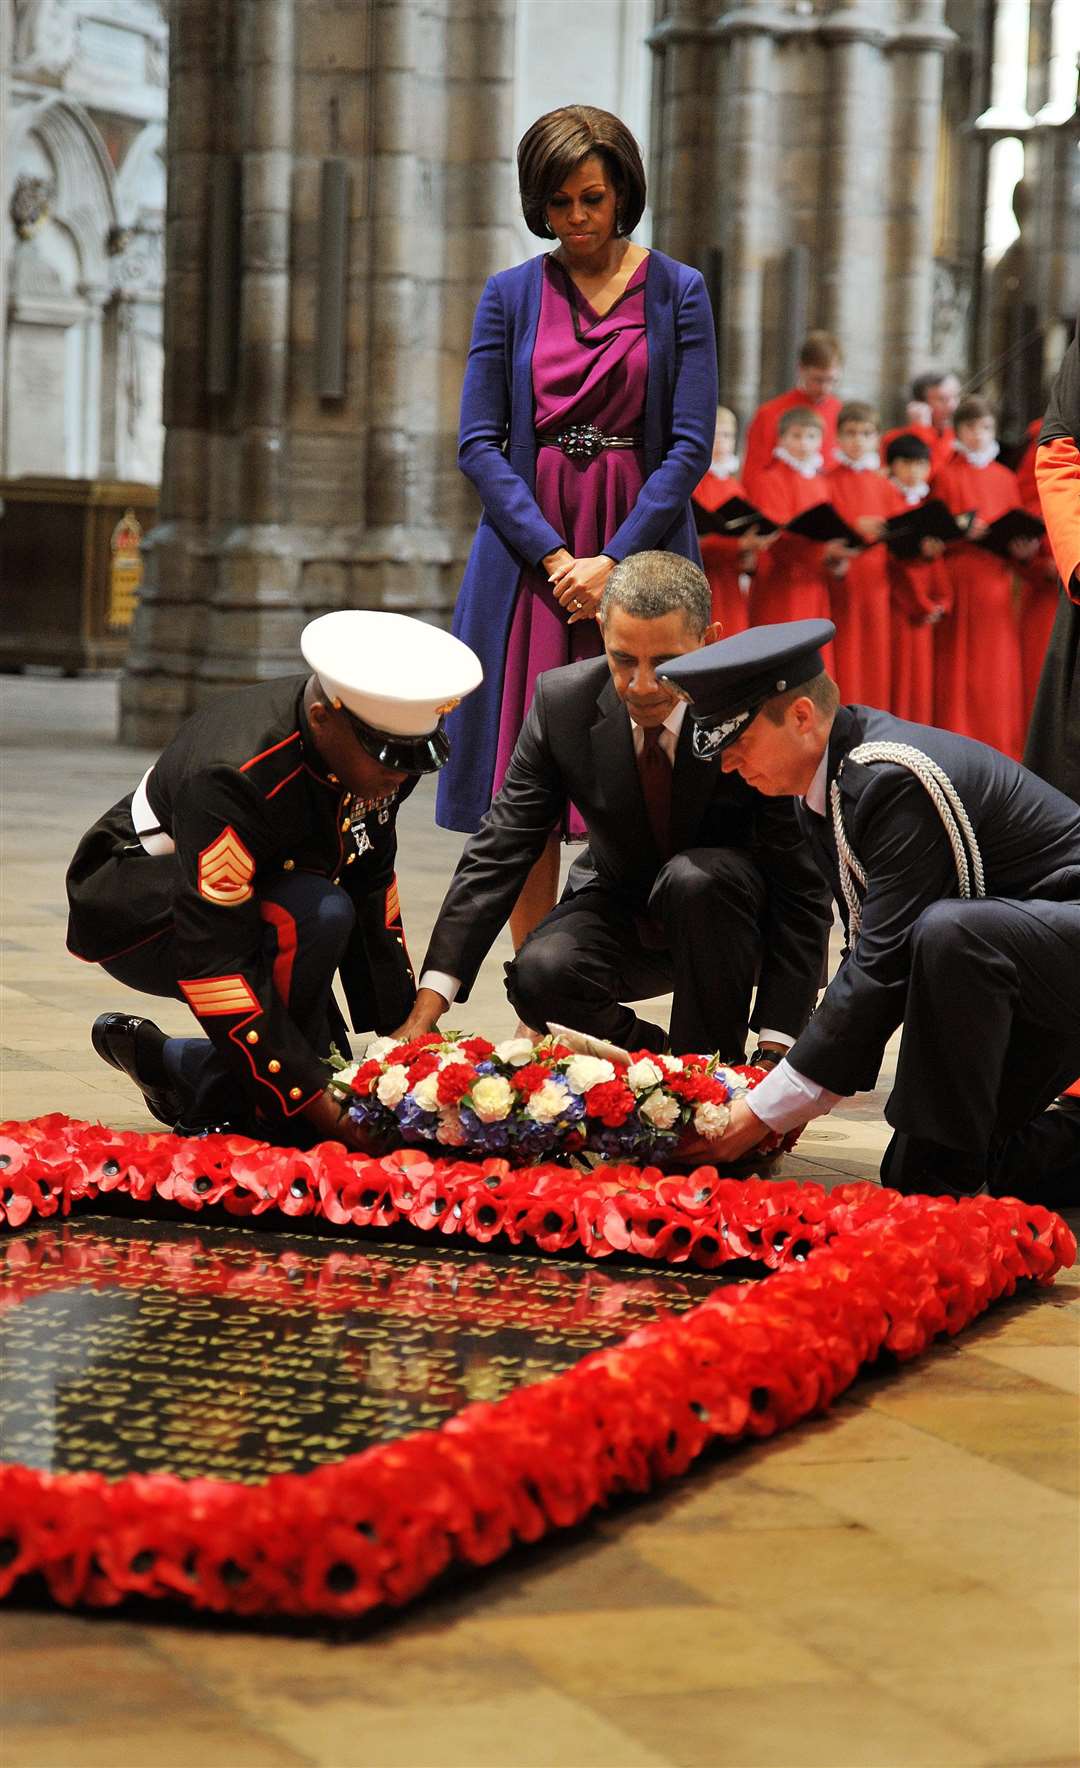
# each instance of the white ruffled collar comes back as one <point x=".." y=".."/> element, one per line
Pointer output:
<point x="866" y="463"/>
<point x="806" y="469"/>
<point x="979" y="457"/>
<point x="911" y="494"/>
<point x="726" y="468"/>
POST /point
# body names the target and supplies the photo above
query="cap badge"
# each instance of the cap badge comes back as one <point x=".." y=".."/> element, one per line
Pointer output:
<point x="707" y="740"/>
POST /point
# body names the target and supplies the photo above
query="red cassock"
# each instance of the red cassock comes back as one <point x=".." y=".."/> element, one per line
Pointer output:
<point x="761" y="435"/>
<point x="1038" y="581"/>
<point x="919" y="592"/>
<point x="1057" y="472"/>
<point x="790" y="582"/>
<point x="720" y="557"/>
<point x="977" y="680"/>
<point x="940" y="442"/>
<point x="860" y="598"/>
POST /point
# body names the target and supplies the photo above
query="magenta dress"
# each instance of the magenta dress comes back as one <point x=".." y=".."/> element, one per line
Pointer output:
<point x="587" y="369"/>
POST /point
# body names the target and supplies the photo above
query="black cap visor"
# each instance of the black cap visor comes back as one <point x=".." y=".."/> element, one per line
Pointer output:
<point x="407" y="755"/>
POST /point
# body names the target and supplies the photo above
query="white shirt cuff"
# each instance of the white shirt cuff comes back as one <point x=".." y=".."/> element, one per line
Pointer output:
<point x="445" y="985"/>
<point x="785" y="1099"/>
<point x="765" y="1036"/>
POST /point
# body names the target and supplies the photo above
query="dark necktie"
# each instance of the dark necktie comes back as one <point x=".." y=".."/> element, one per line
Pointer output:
<point x="655" y="771"/>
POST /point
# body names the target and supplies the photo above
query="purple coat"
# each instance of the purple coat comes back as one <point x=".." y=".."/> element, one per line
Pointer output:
<point x="497" y="451"/>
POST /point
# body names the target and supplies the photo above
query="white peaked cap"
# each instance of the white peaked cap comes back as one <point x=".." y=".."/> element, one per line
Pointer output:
<point x="397" y="674"/>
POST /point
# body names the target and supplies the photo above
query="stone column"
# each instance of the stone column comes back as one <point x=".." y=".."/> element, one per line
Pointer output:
<point x="745" y="189"/>
<point x="853" y="206"/>
<point x="281" y="500"/>
<point x="684" y="130"/>
<point x="167" y="639"/>
<point x="918" y="57"/>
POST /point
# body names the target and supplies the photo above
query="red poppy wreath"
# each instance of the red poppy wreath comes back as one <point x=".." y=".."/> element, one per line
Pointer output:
<point x="854" y="1274"/>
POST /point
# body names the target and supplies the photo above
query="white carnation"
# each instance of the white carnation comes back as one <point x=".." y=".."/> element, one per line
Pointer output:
<point x="426" y="1092"/>
<point x="640" y="1076"/>
<point x="392" y="1085"/>
<point x="671" y="1064"/>
<point x="547" y="1103"/>
<point x="583" y="1072"/>
<point x="344" y="1077"/>
<point x="450" y="1130"/>
<point x="492" y="1098"/>
<point x="661" y="1110"/>
<point x="379" y="1048"/>
<point x="516" y="1051"/>
<point x="711" y="1119"/>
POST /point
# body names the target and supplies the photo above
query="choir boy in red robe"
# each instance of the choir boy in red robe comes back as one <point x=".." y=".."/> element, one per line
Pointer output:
<point x="860" y="598"/>
<point x="792" y="579"/>
<point x="1039" y="581"/>
<point x="728" y="560"/>
<point x="929" y="416"/>
<point x="977" y="687"/>
<point x="919" y="589"/>
<point x="815" y="383"/>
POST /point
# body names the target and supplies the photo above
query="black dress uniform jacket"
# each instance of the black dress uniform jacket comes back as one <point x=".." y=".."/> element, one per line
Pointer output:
<point x="244" y="796"/>
<point x="577" y="743"/>
<point x="1029" y="836"/>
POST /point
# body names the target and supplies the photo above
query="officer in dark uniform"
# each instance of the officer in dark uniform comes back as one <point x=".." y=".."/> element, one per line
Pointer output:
<point x="256" y="859"/>
<point x="958" y="874"/>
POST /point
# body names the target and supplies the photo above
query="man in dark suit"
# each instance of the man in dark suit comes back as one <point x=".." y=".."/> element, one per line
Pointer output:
<point x="690" y="882"/>
<point x="958" y="873"/>
<point x="254" y="860"/>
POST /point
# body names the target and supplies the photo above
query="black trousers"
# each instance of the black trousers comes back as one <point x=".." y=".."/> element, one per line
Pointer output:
<point x="991" y="1036"/>
<point x="316" y="922"/>
<point x="700" y="938"/>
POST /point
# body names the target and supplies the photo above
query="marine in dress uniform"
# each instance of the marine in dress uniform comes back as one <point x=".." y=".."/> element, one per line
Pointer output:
<point x="958" y="873"/>
<point x="254" y="860"/>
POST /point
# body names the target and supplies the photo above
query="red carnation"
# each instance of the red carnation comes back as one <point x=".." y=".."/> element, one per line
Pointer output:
<point x="694" y="1085"/>
<point x="530" y="1079"/>
<point x="611" y="1101"/>
<point x="363" y="1081"/>
<point x="424" y="1065"/>
<point x="477" y="1049"/>
<point x="454" y="1082"/>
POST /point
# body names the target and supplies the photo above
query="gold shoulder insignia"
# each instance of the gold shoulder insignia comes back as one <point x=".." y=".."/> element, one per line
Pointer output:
<point x="226" y="869"/>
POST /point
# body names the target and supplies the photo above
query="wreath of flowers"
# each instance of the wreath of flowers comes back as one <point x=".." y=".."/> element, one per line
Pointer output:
<point x="857" y="1272"/>
<point x="539" y="1101"/>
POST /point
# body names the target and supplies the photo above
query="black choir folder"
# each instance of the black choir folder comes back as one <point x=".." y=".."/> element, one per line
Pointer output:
<point x="821" y="522"/>
<point x="932" y="520"/>
<point x="1015" y="524"/>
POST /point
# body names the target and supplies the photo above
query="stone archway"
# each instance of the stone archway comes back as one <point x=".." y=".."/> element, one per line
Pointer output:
<point x="63" y="202"/>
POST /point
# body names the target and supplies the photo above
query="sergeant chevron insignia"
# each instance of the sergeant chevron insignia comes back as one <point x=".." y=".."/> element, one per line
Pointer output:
<point x="226" y="869"/>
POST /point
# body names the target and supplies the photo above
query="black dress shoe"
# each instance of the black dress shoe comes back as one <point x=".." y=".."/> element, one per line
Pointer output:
<point x="134" y="1046"/>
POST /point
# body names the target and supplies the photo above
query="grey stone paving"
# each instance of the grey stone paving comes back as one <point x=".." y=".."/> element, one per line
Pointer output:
<point x="60" y="767"/>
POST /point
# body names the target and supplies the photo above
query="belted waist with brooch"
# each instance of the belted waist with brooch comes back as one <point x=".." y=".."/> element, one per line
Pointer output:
<point x="584" y="441"/>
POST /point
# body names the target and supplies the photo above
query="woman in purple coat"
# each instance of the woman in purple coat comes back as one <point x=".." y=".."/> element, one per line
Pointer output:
<point x="586" y="422"/>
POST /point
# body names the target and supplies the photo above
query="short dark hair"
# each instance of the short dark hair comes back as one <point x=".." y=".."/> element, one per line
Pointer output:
<point x="856" y="411"/>
<point x="557" y="143"/>
<point x="650" y="585"/>
<point x="906" y="447"/>
<point x="820" y="350"/>
<point x="933" y="377"/>
<point x="971" y="409"/>
<point x="799" y="414"/>
<point x="821" y="689"/>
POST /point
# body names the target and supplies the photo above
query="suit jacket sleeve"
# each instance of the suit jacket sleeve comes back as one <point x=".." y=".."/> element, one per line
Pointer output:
<point x="668" y="488"/>
<point x="497" y="859"/>
<point x="222" y="836"/>
<point x="898" y="836"/>
<point x="485" y="426"/>
<point x="796" y="923"/>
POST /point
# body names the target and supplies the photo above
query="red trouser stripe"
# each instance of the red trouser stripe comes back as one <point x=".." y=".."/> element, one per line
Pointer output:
<point x="285" y="928"/>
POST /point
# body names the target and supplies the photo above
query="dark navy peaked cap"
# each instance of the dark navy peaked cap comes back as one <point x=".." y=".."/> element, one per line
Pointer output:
<point x="729" y="682"/>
